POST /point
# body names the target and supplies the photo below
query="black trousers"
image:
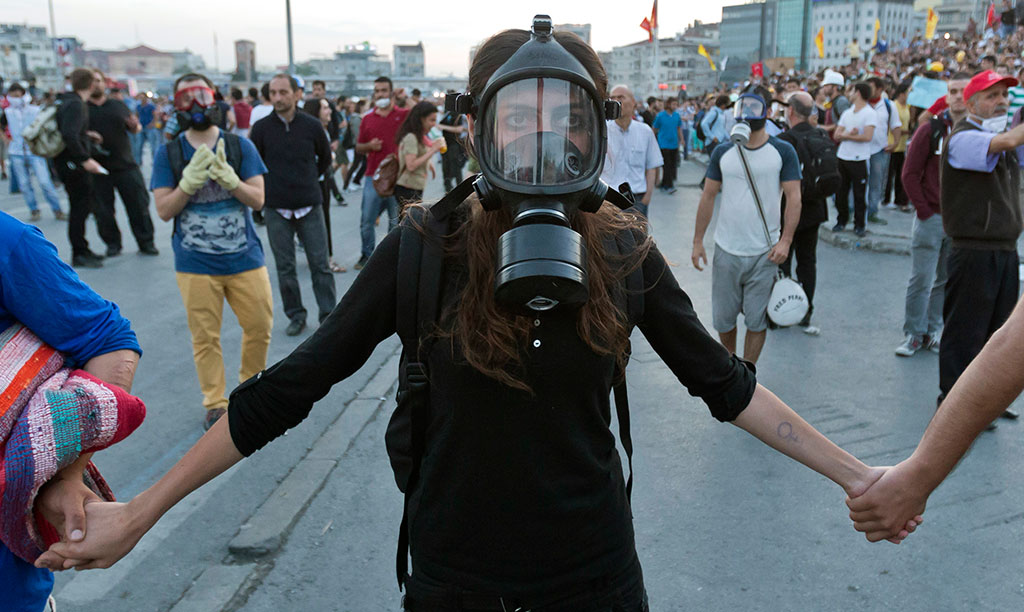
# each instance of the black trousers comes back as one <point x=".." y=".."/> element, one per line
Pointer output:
<point x="81" y="201"/>
<point x="852" y="174"/>
<point x="451" y="165"/>
<point x="894" y="182"/>
<point x="325" y="194"/>
<point x="668" y="173"/>
<point x="406" y="196"/>
<point x="622" y="593"/>
<point x="980" y="295"/>
<point x="805" y="250"/>
<point x="356" y="170"/>
<point x="132" y="188"/>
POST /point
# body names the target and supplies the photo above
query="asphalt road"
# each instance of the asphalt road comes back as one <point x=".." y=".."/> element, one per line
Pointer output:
<point x="723" y="523"/>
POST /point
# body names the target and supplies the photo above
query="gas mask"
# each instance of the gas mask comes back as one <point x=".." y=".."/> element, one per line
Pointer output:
<point x="196" y="108"/>
<point x="750" y="112"/>
<point x="540" y="138"/>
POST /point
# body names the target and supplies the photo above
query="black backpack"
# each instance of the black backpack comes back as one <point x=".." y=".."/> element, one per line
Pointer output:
<point x="820" y="164"/>
<point x="420" y="277"/>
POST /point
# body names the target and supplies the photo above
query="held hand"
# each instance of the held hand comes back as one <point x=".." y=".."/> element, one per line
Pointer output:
<point x="376" y="144"/>
<point x="437" y="145"/>
<point x="779" y="252"/>
<point x="699" y="255"/>
<point x="113" y="532"/>
<point x="62" y="502"/>
<point x="221" y="171"/>
<point x="94" y="136"/>
<point x="92" y="166"/>
<point x="197" y="172"/>
<point x="890" y="504"/>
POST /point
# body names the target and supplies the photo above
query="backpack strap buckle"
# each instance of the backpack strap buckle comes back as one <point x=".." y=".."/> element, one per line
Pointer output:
<point x="416" y="375"/>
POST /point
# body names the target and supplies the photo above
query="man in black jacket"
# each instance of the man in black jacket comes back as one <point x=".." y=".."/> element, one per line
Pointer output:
<point x="112" y="120"/>
<point x="813" y="212"/>
<point x="295" y="149"/>
<point x="75" y="164"/>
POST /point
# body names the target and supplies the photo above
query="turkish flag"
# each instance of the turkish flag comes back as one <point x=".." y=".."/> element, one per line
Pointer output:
<point x="646" y="24"/>
<point x="757" y="70"/>
<point x="654" y="16"/>
<point x="990" y="17"/>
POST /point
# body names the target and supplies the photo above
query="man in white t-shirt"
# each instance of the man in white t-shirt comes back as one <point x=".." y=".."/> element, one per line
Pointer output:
<point x="633" y="155"/>
<point x="878" y="165"/>
<point x="855" y="133"/>
<point x="264" y="108"/>
<point x="746" y="259"/>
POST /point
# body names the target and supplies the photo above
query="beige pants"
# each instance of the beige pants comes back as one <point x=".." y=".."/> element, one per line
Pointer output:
<point x="249" y="295"/>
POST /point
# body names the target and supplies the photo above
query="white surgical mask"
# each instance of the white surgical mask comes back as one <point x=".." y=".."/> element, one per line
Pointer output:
<point x="995" y="124"/>
<point x="383" y="102"/>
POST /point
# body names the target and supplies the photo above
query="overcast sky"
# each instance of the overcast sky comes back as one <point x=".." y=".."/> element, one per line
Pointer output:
<point x="322" y="27"/>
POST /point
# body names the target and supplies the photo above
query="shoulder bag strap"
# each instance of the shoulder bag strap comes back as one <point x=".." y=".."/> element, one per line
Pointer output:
<point x="753" y="190"/>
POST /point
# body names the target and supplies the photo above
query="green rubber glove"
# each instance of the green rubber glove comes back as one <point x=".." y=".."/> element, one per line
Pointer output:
<point x="221" y="171"/>
<point x="197" y="172"/>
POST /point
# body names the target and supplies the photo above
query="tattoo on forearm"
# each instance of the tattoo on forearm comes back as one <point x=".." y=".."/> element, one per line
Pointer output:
<point x="785" y="431"/>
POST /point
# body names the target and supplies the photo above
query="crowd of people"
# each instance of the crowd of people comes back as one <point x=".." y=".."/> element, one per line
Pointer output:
<point x="780" y="150"/>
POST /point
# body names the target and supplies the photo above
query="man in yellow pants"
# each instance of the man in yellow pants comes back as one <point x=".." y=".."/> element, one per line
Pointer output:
<point x="208" y="182"/>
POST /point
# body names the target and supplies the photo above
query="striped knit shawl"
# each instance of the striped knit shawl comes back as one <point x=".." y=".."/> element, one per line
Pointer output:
<point x="49" y="416"/>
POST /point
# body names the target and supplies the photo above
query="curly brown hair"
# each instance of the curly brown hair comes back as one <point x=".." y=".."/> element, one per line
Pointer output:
<point x="491" y="338"/>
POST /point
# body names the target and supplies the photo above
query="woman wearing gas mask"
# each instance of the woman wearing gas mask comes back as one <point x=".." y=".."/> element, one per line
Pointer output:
<point x="516" y="497"/>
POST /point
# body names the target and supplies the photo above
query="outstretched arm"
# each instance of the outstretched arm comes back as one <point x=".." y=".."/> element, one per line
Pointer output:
<point x="985" y="389"/>
<point x="114" y="529"/>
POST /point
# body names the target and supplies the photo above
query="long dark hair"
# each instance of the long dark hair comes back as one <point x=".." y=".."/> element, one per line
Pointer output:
<point x="413" y="123"/>
<point x="490" y="338"/>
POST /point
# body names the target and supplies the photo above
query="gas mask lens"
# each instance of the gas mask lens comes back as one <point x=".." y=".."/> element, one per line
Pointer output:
<point x="749" y="107"/>
<point x="199" y="94"/>
<point x="541" y="131"/>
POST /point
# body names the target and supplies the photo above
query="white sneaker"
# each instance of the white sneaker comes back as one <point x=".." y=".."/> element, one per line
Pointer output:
<point x="933" y="345"/>
<point x="890" y="206"/>
<point x="910" y="346"/>
<point x="811" y="330"/>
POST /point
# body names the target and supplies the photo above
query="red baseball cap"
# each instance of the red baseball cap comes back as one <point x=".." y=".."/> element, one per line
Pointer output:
<point x="984" y="80"/>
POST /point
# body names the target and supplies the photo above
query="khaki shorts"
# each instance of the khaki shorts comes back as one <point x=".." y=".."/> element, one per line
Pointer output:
<point x="741" y="284"/>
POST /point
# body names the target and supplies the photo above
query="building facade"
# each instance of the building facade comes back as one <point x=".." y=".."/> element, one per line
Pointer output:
<point x="245" y="59"/>
<point x="354" y="63"/>
<point x="409" y="60"/>
<point x="140" y="60"/>
<point x="747" y="35"/>
<point x="846" y="20"/>
<point x="579" y="29"/>
<point x="680" y="68"/>
<point x="793" y="35"/>
<point x="26" y="52"/>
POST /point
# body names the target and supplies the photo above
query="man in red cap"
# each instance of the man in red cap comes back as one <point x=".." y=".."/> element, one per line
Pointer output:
<point x="981" y="213"/>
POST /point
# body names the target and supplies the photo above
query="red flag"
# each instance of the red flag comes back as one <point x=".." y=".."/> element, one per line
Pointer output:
<point x="757" y="70"/>
<point x="646" y="24"/>
<point x="990" y="18"/>
<point x="654" y="16"/>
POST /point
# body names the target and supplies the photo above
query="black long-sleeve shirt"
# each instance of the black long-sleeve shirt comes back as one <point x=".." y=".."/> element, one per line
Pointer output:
<point x="296" y="155"/>
<point x="518" y="494"/>
<point x="73" y="122"/>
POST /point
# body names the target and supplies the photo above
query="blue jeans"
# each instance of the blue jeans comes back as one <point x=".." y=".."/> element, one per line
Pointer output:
<point x="373" y="206"/>
<point x="155" y="138"/>
<point x="878" y="171"/>
<point x="686" y="141"/>
<point x="24" y="166"/>
<point x="137" y="140"/>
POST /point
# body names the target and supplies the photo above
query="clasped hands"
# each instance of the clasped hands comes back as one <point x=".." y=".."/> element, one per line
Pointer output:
<point x="205" y="165"/>
<point x="887" y="507"/>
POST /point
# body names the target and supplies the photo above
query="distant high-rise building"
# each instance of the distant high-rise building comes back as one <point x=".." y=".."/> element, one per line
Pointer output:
<point x="409" y="60"/>
<point x="579" y="29"/>
<point x="27" y="52"/>
<point x="681" y="69"/>
<point x="846" y="20"/>
<point x="747" y="35"/>
<point x="355" y="62"/>
<point x="245" y="59"/>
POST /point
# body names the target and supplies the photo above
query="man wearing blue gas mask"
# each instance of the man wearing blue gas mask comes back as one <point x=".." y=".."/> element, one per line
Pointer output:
<point x="750" y="241"/>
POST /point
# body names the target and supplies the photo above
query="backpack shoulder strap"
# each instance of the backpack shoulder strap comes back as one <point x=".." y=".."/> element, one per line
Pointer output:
<point x="233" y="151"/>
<point x="420" y="275"/>
<point x="176" y="158"/>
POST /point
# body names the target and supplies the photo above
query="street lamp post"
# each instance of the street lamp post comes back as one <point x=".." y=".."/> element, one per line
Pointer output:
<point x="291" y="56"/>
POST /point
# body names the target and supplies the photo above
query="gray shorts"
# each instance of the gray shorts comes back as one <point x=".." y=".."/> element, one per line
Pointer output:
<point x="741" y="284"/>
